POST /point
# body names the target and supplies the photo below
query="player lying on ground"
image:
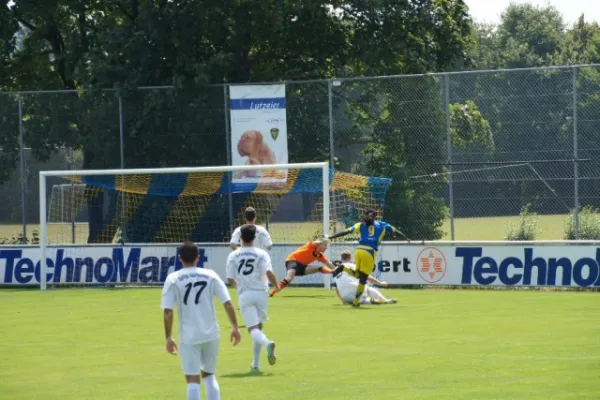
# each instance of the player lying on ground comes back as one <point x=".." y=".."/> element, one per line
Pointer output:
<point x="263" y="239"/>
<point x="346" y="285"/>
<point x="371" y="233"/>
<point x="248" y="269"/>
<point x="192" y="289"/>
<point x="297" y="262"/>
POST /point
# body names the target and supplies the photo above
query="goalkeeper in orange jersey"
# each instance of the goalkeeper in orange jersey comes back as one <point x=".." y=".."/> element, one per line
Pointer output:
<point x="297" y="262"/>
<point x="371" y="233"/>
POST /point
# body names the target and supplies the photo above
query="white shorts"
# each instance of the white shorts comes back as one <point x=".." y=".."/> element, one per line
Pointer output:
<point x="199" y="357"/>
<point x="253" y="306"/>
<point x="350" y="299"/>
<point x="348" y="292"/>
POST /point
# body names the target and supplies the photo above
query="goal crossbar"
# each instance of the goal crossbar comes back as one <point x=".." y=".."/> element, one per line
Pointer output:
<point x="183" y="170"/>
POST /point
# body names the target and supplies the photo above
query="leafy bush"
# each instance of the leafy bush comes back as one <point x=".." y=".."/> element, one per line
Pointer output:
<point x="589" y="224"/>
<point x="20" y="239"/>
<point x="526" y="227"/>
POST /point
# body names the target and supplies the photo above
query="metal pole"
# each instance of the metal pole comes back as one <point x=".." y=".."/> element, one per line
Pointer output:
<point x="72" y="202"/>
<point x="575" y="158"/>
<point x="449" y="152"/>
<point x="22" y="162"/>
<point x="331" y="139"/>
<point x="326" y="206"/>
<point x="122" y="163"/>
<point x="228" y="151"/>
<point x="121" y="133"/>
<point x="43" y="232"/>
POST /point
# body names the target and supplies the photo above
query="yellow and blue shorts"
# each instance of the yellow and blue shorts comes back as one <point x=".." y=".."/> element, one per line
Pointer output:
<point x="365" y="259"/>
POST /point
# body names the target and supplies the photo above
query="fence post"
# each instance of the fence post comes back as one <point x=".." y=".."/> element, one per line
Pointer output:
<point x="228" y="152"/>
<point x="331" y="139"/>
<point x="22" y="163"/>
<point x="449" y="152"/>
<point x="575" y="158"/>
<point x="71" y="167"/>
<point x="122" y="163"/>
<point x="121" y="132"/>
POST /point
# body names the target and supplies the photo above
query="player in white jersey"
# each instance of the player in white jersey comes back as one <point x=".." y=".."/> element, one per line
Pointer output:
<point x="263" y="239"/>
<point x="248" y="269"/>
<point x="193" y="290"/>
<point x="346" y="286"/>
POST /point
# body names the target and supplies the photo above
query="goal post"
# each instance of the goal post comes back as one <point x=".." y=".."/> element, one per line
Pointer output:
<point x="123" y="226"/>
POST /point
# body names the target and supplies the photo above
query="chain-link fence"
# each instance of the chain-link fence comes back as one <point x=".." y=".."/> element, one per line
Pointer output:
<point x="468" y="152"/>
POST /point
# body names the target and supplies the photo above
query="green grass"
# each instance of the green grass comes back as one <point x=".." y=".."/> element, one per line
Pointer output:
<point x="549" y="227"/>
<point x="487" y="228"/>
<point x="62" y="233"/>
<point x="434" y="344"/>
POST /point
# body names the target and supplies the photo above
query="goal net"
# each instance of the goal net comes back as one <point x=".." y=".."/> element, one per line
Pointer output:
<point x="123" y="227"/>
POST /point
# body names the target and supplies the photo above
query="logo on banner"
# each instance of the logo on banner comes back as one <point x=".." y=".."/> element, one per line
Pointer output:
<point x="431" y="265"/>
<point x="274" y="133"/>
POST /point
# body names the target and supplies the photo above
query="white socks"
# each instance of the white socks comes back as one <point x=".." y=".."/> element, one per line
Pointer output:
<point x="257" y="348"/>
<point x="211" y="387"/>
<point x="260" y="340"/>
<point x="259" y="337"/>
<point x="193" y="391"/>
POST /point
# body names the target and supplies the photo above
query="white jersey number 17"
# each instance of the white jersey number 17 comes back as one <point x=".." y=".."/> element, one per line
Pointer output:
<point x="188" y="289"/>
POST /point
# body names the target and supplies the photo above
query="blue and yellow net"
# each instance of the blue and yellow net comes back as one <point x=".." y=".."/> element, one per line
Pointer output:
<point x="205" y="206"/>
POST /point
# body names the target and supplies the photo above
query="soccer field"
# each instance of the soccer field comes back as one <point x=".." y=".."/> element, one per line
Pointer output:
<point x="550" y="227"/>
<point x="433" y="344"/>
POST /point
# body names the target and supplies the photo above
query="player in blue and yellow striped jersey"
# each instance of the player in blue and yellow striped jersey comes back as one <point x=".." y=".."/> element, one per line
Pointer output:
<point x="371" y="233"/>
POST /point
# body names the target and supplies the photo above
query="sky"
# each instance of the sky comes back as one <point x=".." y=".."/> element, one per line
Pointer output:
<point x="490" y="10"/>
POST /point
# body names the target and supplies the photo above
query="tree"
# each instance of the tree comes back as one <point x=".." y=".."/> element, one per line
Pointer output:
<point x="124" y="44"/>
<point x="582" y="46"/>
<point x="397" y="122"/>
<point x="530" y="35"/>
<point x="470" y="131"/>
<point x="530" y="112"/>
<point x="527" y="36"/>
<point x="406" y="142"/>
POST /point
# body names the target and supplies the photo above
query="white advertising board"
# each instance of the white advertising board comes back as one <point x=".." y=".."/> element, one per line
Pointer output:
<point x="488" y="265"/>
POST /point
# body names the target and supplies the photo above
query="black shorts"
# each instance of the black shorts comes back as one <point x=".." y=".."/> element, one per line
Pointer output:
<point x="299" y="268"/>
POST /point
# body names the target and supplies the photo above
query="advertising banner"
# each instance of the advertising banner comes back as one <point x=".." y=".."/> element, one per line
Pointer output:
<point x="397" y="264"/>
<point x="258" y="131"/>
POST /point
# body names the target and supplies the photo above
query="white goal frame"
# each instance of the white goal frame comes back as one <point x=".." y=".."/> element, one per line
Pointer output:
<point x="324" y="166"/>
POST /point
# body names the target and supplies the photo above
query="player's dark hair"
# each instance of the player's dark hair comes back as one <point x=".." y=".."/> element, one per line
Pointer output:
<point x="188" y="252"/>
<point x="346" y="255"/>
<point x="248" y="233"/>
<point x="250" y="214"/>
<point x="369" y="216"/>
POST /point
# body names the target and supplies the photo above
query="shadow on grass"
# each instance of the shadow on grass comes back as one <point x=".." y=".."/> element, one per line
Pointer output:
<point x="367" y="306"/>
<point x="317" y="296"/>
<point x="248" y="374"/>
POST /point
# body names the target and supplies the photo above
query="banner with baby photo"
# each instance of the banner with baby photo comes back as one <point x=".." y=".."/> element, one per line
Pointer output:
<point x="258" y="131"/>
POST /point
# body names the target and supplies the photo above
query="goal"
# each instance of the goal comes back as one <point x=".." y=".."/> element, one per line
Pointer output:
<point x="123" y="227"/>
